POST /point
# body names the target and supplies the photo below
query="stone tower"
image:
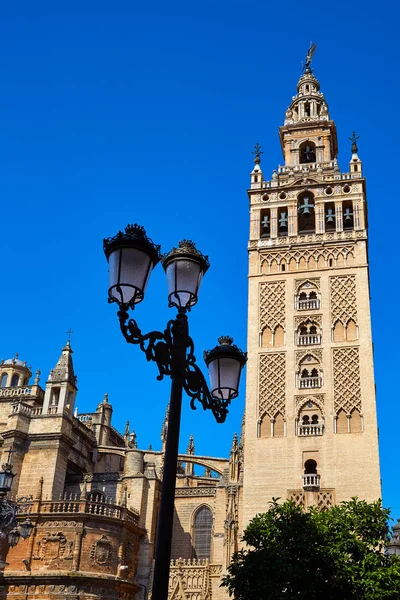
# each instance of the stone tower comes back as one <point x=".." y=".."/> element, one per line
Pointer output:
<point x="311" y="429"/>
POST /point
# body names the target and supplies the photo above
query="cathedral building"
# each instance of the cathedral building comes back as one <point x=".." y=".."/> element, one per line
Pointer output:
<point x="310" y="429"/>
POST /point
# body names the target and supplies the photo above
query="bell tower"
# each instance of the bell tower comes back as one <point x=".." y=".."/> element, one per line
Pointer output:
<point x="311" y="429"/>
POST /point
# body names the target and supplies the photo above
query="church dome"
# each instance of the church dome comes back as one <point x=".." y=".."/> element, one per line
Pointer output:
<point x="14" y="361"/>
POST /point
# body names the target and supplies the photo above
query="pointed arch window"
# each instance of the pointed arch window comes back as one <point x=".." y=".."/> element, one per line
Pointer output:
<point x="202" y="528"/>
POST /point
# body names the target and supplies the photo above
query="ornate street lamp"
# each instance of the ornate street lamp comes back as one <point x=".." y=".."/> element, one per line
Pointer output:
<point x="132" y="256"/>
<point x="9" y="526"/>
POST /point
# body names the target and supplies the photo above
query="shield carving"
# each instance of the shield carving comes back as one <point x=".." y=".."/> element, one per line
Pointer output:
<point x="101" y="551"/>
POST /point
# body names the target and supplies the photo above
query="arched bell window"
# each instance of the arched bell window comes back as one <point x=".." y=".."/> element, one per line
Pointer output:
<point x="4" y="380"/>
<point x="282" y="221"/>
<point x="348" y="215"/>
<point x="265" y="223"/>
<point x="306" y="213"/>
<point x="202" y="529"/>
<point x="307" y="152"/>
<point x="330" y="216"/>
<point x="14" y="380"/>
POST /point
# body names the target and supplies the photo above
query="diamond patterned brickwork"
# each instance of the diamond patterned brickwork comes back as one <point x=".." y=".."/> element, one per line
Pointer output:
<point x="343" y="299"/>
<point x="272" y="375"/>
<point x="272" y="305"/>
<point x="325" y="499"/>
<point x="298" y="497"/>
<point x="346" y="379"/>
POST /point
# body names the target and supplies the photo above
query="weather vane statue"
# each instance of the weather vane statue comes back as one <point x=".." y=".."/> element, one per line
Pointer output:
<point x="309" y="57"/>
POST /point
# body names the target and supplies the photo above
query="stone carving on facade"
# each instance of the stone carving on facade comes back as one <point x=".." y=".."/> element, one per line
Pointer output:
<point x="317" y="399"/>
<point x="343" y="299"/>
<point x="231" y="523"/>
<point x="313" y="283"/>
<point x="317" y="319"/>
<point x="346" y="379"/>
<point x="272" y="382"/>
<point x="195" y="491"/>
<point x="272" y="305"/>
<point x="101" y="551"/>
<point x="307" y="258"/>
<point x="302" y="354"/>
<point x="53" y="546"/>
<point x="234" y="460"/>
<point x="189" y="580"/>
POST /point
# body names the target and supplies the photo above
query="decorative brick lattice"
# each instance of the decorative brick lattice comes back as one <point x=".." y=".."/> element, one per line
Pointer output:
<point x="325" y="499"/>
<point x="343" y="299"/>
<point x="298" y="497"/>
<point x="346" y="379"/>
<point x="272" y="305"/>
<point x="272" y="375"/>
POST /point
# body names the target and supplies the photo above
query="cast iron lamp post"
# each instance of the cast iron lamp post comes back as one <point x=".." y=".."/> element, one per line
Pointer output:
<point x="10" y="529"/>
<point x="132" y="256"/>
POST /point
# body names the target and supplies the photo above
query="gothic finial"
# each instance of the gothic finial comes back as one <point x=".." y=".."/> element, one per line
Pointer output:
<point x="37" y="377"/>
<point x="132" y="439"/>
<point x="105" y="399"/>
<point x="353" y="139"/>
<point x="257" y="153"/>
<point x="126" y="432"/>
<point x="234" y="443"/>
<point x="309" y="56"/>
<point x="190" y="448"/>
<point x="150" y="446"/>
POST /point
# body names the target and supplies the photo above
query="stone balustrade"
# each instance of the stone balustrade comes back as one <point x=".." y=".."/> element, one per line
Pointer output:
<point x="307" y="304"/>
<point x="24" y="390"/>
<point x="305" y="430"/>
<point x="310" y="382"/>
<point x="311" y="481"/>
<point x="73" y="504"/>
<point x="21" y="408"/>
<point x="309" y="339"/>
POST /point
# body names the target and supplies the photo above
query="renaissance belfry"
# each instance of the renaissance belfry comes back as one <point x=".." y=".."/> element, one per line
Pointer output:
<point x="91" y="493"/>
<point x="311" y="429"/>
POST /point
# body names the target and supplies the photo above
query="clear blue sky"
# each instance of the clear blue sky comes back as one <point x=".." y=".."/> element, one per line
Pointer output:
<point x="130" y="112"/>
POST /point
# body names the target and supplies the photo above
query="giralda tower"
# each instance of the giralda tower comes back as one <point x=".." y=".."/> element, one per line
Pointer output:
<point x="311" y="428"/>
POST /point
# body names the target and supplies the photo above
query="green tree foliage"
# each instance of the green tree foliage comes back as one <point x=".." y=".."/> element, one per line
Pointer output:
<point x="337" y="554"/>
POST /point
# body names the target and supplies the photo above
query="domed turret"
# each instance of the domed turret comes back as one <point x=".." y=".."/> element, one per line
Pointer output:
<point x="14" y="373"/>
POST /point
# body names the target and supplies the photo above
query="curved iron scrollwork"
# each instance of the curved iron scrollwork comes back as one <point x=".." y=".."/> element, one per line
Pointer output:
<point x="159" y="347"/>
<point x="8" y="512"/>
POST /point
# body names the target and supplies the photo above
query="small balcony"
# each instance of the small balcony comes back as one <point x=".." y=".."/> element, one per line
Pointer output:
<point x="309" y="339"/>
<point x="312" y="304"/>
<point x="311" y="482"/>
<point x="310" y="430"/>
<point x="310" y="382"/>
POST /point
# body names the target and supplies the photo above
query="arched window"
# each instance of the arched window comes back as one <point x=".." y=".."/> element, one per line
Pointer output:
<point x="279" y="425"/>
<point x="306" y="420"/>
<point x="4" y="380"/>
<point x="310" y="467"/>
<point x="14" y="380"/>
<point x="202" y="528"/>
<point x="314" y="420"/>
<point x="307" y="152"/>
